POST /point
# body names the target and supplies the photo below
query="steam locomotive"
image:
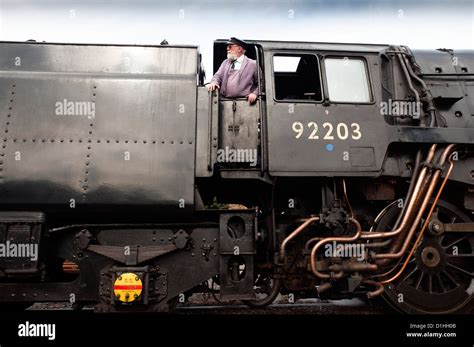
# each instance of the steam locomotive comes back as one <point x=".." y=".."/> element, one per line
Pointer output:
<point x="126" y="185"/>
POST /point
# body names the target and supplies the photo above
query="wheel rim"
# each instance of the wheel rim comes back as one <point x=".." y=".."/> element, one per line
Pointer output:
<point x="439" y="277"/>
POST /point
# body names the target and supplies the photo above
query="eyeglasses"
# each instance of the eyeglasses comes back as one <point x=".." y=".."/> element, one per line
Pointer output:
<point x="231" y="46"/>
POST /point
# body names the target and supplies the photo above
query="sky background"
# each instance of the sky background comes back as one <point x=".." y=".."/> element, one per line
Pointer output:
<point x="418" y="24"/>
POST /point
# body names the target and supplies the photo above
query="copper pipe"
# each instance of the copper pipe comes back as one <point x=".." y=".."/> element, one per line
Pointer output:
<point x="408" y="212"/>
<point x="386" y="273"/>
<point x="377" y="244"/>
<point x="395" y="252"/>
<point x="398" y="241"/>
<point x="295" y="233"/>
<point x="410" y="207"/>
<point x="366" y="245"/>
<point x="413" y="199"/>
<point x="402" y="229"/>
<point x="331" y="239"/>
<point x="386" y="209"/>
<point x="378" y="291"/>
<point x="415" y="175"/>
<point x="450" y="169"/>
<point x="323" y="287"/>
<point x="442" y="158"/>
<point x="310" y="241"/>
<point x="353" y="267"/>
<point x="421" y="211"/>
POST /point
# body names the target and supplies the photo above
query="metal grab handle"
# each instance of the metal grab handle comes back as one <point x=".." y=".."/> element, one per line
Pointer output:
<point x="209" y="125"/>
<point x="233" y="99"/>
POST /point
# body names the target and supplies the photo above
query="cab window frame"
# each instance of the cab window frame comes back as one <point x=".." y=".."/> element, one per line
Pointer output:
<point x="296" y="53"/>
<point x="367" y="74"/>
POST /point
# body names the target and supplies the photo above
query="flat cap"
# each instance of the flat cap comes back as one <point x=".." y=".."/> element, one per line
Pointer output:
<point x="236" y="41"/>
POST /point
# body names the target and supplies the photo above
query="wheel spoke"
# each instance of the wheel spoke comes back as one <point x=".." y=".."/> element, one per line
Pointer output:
<point x="418" y="281"/>
<point x="460" y="269"/>
<point x="430" y="283"/>
<point x="451" y="278"/>
<point x="440" y="281"/>
<point x="471" y="255"/>
<point x="441" y="239"/>
<point x="455" y="242"/>
<point x="460" y="261"/>
<point x="408" y="275"/>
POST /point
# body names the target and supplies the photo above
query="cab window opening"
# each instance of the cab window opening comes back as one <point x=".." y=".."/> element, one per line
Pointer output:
<point x="297" y="77"/>
<point x="347" y="80"/>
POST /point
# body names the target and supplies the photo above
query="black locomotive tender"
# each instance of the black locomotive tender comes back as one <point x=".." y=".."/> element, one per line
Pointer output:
<point x="352" y="176"/>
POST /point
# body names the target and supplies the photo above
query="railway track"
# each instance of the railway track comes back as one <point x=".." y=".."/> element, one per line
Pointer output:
<point x="305" y="306"/>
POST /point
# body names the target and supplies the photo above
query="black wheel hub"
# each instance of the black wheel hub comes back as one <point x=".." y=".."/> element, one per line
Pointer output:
<point x="430" y="256"/>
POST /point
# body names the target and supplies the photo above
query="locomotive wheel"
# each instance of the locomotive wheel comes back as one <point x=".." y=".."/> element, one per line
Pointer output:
<point x="439" y="277"/>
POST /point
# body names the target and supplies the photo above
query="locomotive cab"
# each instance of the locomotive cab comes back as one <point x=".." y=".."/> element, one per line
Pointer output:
<point x="240" y="122"/>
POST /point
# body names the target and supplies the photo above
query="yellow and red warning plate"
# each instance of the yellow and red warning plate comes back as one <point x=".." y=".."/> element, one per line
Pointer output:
<point x="128" y="287"/>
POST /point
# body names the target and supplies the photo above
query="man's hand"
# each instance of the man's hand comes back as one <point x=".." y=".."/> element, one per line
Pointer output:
<point x="211" y="87"/>
<point x="251" y="98"/>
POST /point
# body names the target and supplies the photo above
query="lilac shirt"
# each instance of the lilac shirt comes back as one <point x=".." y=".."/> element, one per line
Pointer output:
<point x="237" y="83"/>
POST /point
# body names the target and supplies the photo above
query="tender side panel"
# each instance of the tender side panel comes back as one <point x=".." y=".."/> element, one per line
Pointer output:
<point x="107" y="125"/>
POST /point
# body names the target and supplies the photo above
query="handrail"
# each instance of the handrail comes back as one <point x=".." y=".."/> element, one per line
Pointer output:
<point x="261" y="113"/>
<point x="209" y="125"/>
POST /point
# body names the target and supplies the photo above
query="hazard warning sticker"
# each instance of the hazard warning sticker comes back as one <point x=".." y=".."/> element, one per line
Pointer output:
<point x="128" y="287"/>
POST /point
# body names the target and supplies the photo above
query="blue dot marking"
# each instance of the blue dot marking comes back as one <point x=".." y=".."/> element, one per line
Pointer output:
<point x="329" y="147"/>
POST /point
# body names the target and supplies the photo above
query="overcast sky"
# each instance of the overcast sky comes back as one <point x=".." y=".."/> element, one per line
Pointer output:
<point x="418" y="24"/>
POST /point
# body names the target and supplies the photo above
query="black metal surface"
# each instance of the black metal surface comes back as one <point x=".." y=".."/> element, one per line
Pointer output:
<point x="145" y="109"/>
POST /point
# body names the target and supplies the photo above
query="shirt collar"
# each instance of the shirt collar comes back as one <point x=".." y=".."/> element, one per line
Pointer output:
<point x="240" y="59"/>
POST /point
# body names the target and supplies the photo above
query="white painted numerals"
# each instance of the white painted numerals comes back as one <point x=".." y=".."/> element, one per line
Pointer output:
<point x="298" y="129"/>
<point x="329" y="128"/>
<point x="314" y="126"/>
<point x="343" y="131"/>
<point x="356" y="134"/>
